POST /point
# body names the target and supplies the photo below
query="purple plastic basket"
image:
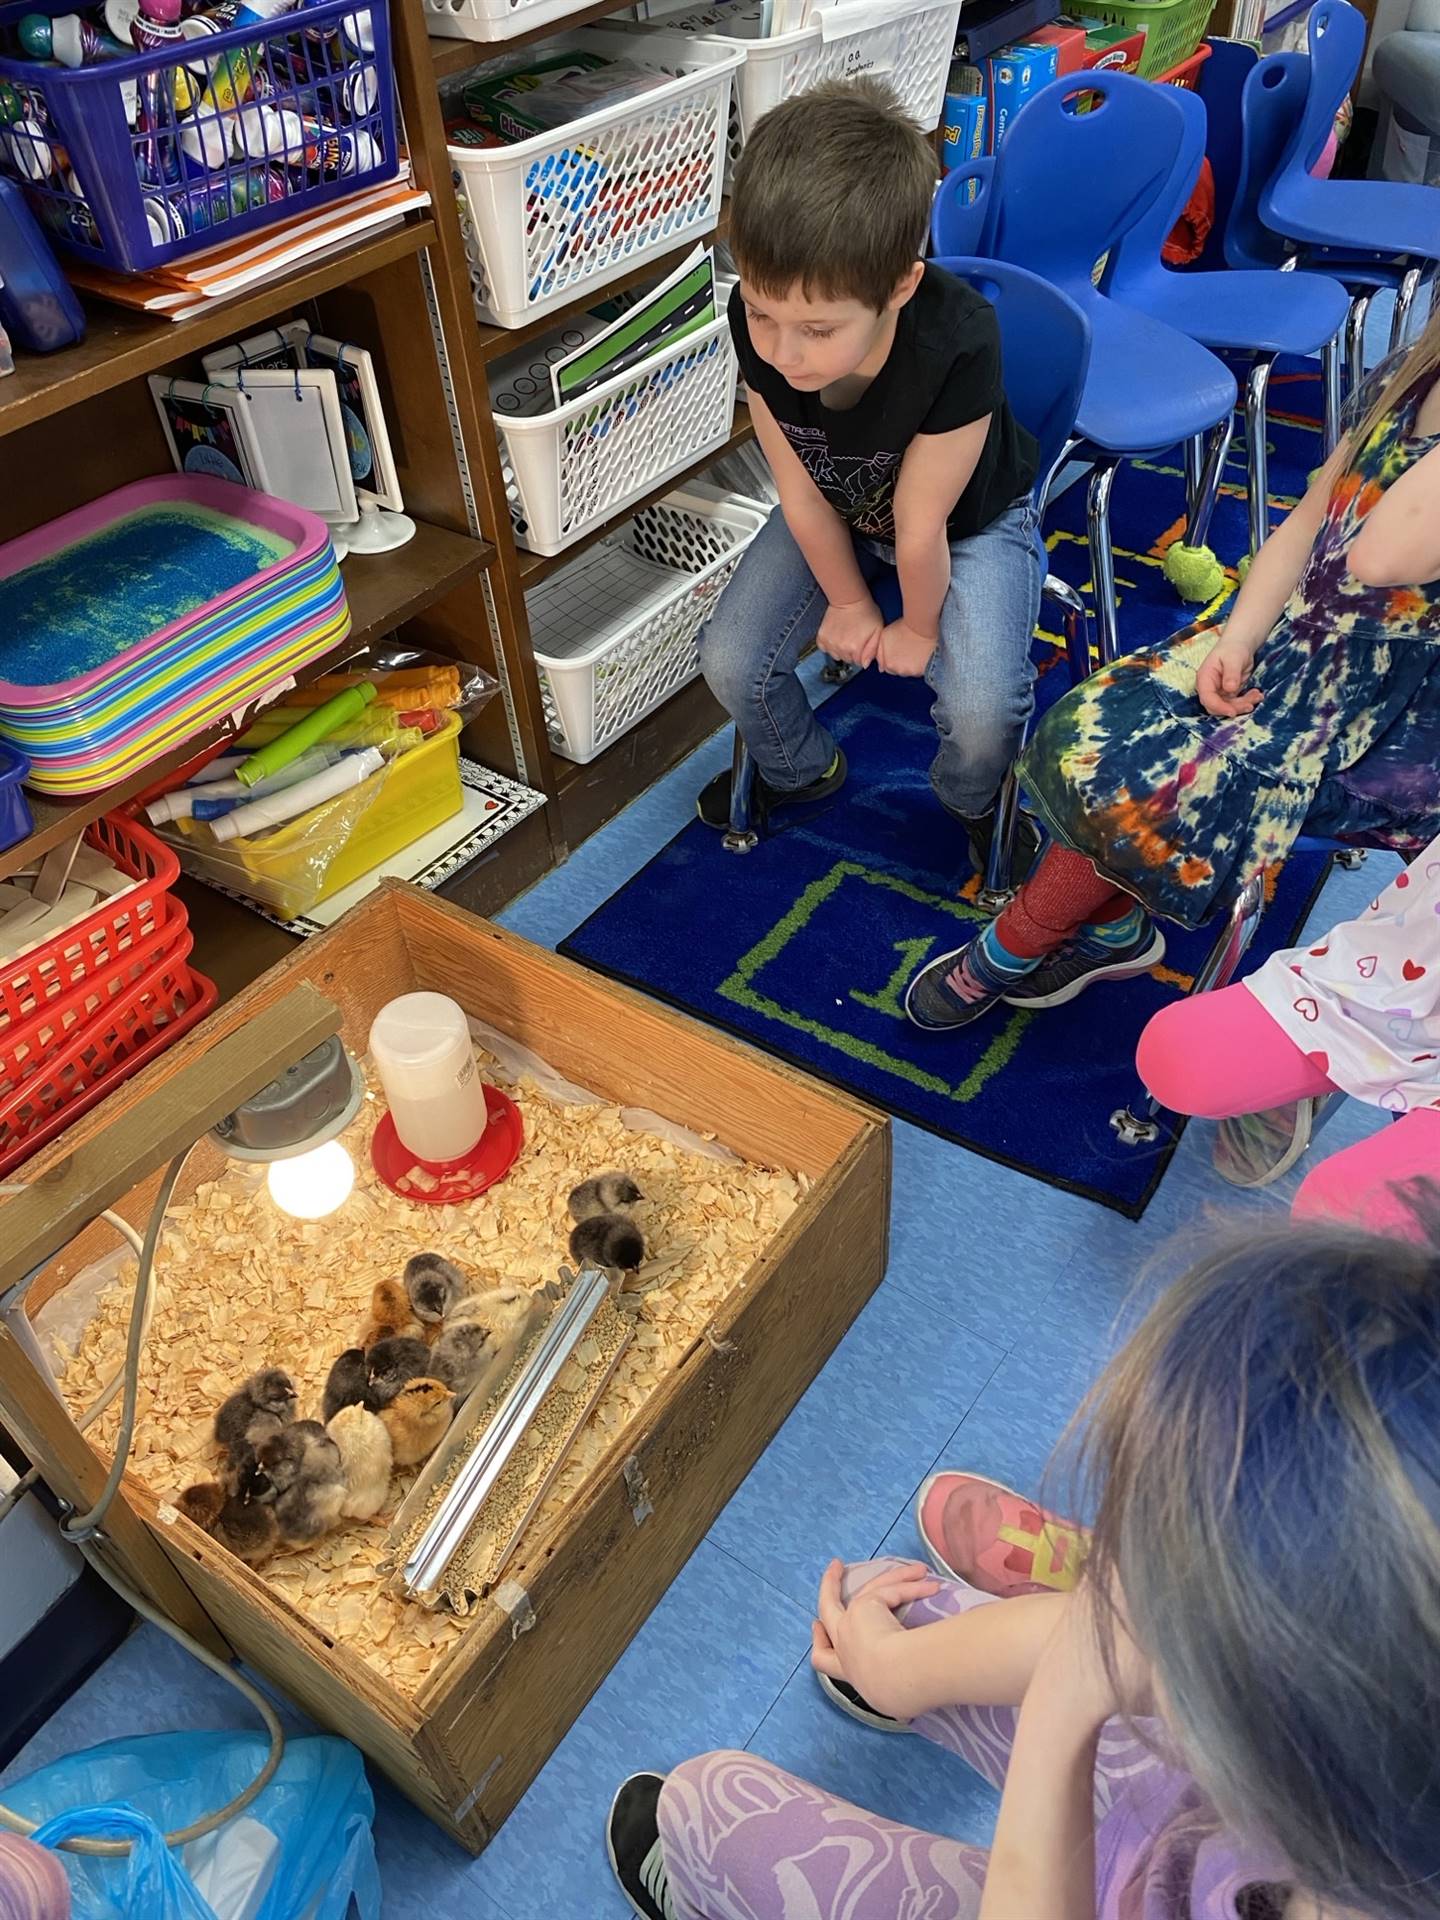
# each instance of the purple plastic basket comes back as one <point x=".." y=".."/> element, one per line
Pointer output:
<point x="16" y="821"/>
<point x="134" y="162"/>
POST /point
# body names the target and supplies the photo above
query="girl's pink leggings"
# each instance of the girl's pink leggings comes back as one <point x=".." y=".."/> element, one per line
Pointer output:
<point x="1218" y="1054"/>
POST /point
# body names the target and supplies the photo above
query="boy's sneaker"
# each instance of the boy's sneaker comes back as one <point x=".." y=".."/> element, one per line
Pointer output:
<point x="980" y="832"/>
<point x="713" y="803"/>
<point x="994" y="1539"/>
<point x="632" y="1839"/>
<point x="841" y="1694"/>
<point x="942" y="996"/>
<point x="1076" y="966"/>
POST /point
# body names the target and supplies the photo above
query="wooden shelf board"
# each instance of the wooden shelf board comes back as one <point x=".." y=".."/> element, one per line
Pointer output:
<point x="120" y="345"/>
<point x="496" y="342"/>
<point x="384" y="590"/>
<point x="589" y="796"/>
<point x="535" y="567"/>
<point x="455" y="56"/>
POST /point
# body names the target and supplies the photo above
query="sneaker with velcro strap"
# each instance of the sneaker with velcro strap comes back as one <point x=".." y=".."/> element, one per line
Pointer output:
<point x="1078" y="965"/>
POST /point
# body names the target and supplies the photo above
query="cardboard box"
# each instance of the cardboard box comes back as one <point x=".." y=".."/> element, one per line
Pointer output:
<point x="1115" y="49"/>
<point x="1068" y="41"/>
<point x="1016" y="74"/>
<point x="964" y="131"/>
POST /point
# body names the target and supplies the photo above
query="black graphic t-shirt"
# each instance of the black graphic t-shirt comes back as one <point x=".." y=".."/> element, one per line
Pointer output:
<point x="943" y="372"/>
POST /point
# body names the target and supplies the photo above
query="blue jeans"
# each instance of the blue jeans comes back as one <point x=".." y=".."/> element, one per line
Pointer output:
<point x="980" y="673"/>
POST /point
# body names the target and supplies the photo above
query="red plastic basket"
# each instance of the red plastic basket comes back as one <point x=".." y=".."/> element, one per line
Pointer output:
<point x="153" y="1014"/>
<point x="94" y="944"/>
<point x="1187" y="73"/>
<point x="29" y="1044"/>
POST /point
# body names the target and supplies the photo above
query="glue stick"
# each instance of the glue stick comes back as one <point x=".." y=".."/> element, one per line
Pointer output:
<point x="278" y="807"/>
<point x="309" y="732"/>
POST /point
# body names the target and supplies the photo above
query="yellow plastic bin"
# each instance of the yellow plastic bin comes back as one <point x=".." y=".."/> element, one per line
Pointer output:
<point x="348" y="835"/>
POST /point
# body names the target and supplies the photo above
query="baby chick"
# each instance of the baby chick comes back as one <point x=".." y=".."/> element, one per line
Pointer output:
<point x="473" y="1335"/>
<point x="608" y="1240"/>
<point x="606" y="1193"/>
<point x="244" y="1527"/>
<point x="390" y="1315"/>
<point x="392" y="1362"/>
<point x="367" y="1456"/>
<point x="348" y="1384"/>
<point x="307" y="1476"/>
<point x="261" y="1407"/>
<point x="416" y="1420"/>
<point x="433" y="1286"/>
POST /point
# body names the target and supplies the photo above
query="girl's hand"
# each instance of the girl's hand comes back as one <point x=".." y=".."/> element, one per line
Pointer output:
<point x="1220" y="683"/>
<point x="851" y="632"/>
<point x="904" y="651"/>
<point x="856" y="1641"/>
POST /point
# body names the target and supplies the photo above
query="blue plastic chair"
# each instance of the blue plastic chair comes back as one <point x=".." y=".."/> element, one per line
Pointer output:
<point x="1149" y="388"/>
<point x="1045" y="344"/>
<point x="1249" y="315"/>
<point x="1366" y="233"/>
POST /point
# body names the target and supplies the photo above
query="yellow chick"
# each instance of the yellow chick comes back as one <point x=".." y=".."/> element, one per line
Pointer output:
<point x="367" y="1457"/>
<point x="416" y="1420"/>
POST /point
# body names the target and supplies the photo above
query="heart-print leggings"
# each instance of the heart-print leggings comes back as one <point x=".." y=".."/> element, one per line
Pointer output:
<point x="1219" y="1054"/>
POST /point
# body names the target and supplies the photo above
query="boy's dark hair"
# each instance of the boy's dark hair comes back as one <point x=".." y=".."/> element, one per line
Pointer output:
<point x="832" y="194"/>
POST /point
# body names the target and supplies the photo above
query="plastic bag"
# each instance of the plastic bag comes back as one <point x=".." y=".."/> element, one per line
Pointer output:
<point x="292" y="865"/>
<point x="302" y="1851"/>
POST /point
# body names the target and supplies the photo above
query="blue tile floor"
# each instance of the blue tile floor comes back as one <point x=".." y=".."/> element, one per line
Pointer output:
<point x="948" y="1364"/>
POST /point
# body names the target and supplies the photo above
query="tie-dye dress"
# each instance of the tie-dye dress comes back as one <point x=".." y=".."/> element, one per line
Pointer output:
<point x="1179" y="807"/>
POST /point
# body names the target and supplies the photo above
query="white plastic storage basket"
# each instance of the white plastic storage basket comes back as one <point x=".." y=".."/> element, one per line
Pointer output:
<point x="909" y="43"/>
<point x="492" y="19"/>
<point x="569" y="469"/>
<point x="615" y="632"/>
<point x="562" y="213"/>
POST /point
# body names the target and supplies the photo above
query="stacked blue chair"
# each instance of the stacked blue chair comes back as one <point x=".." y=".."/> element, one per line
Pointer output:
<point x="1253" y="316"/>
<point x="1368" y="234"/>
<point x="1149" y="387"/>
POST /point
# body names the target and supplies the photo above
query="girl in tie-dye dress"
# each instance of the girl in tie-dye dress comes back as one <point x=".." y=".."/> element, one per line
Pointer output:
<point x="1168" y="778"/>
<point x="1231" y="1717"/>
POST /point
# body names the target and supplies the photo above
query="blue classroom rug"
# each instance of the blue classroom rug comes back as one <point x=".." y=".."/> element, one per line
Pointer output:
<point x="805" y="945"/>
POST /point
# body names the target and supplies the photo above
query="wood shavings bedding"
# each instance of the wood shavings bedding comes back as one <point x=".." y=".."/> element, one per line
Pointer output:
<point x="239" y="1285"/>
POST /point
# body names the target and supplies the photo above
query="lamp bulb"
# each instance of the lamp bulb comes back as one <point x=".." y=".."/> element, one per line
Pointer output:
<point x="312" y="1184"/>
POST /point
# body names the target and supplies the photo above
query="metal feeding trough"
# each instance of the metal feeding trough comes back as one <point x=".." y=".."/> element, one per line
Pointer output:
<point x="532" y="1363"/>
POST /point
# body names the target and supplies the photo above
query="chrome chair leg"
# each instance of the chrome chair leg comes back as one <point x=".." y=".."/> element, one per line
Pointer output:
<point x="741" y="836"/>
<point x="1194" y="469"/>
<point x="1077" y="626"/>
<point x="1197" y="532"/>
<point x="1257" y="422"/>
<point x="1138" y="1124"/>
<point x="836" y="672"/>
<point x="1404" y="301"/>
<point x="1355" y="339"/>
<point x="1102" y="560"/>
<point x="996" y="890"/>
<point x="1331" y="362"/>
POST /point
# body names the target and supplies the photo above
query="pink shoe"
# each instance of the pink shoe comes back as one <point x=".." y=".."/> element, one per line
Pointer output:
<point x="996" y="1540"/>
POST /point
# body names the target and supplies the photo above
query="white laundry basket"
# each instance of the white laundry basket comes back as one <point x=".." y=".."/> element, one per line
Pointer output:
<point x="615" y="632"/>
<point x="569" y="469"/>
<point x="909" y="43"/>
<point x="562" y="213"/>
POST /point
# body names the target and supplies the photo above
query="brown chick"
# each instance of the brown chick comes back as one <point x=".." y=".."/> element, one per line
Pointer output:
<point x="243" y="1527"/>
<point x="416" y="1420"/>
<point x="391" y="1316"/>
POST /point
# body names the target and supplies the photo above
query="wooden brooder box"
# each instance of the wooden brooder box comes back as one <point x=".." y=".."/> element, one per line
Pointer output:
<point x="466" y="1744"/>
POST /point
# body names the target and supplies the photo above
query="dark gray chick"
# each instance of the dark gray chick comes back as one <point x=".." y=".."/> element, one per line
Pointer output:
<point x="433" y="1286"/>
<point x="307" y="1475"/>
<point x="478" y="1327"/>
<point x="392" y="1362"/>
<point x="608" y="1240"/>
<point x="348" y="1384"/>
<point x="261" y="1407"/>
<point x="606" y="1193"/>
